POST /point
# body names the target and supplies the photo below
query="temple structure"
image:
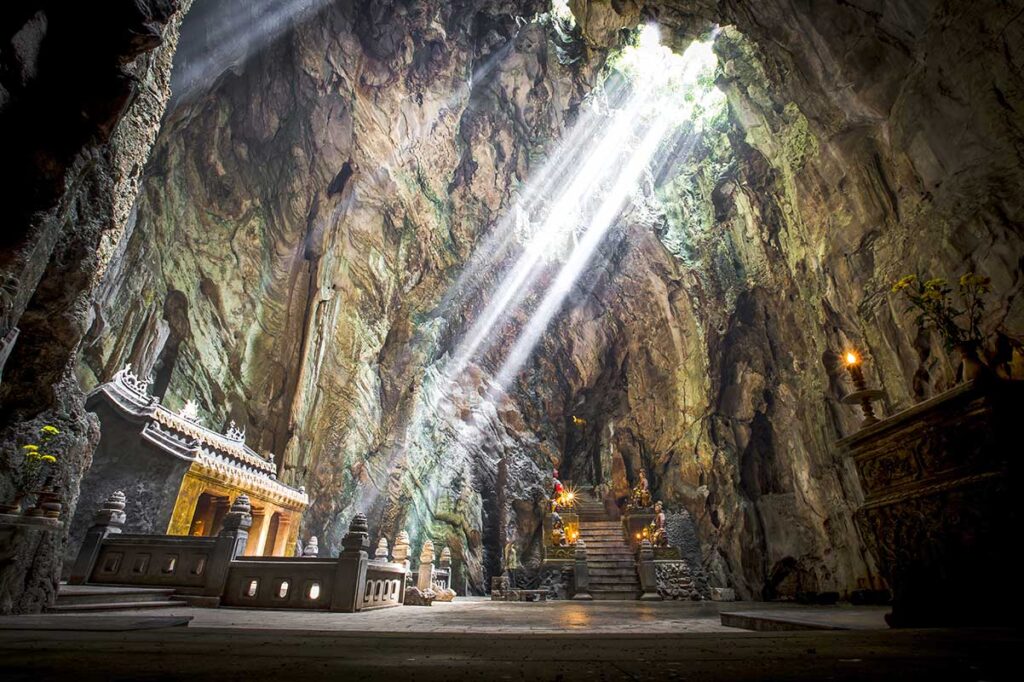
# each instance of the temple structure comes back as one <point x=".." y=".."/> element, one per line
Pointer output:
<point x="180" y="476"/>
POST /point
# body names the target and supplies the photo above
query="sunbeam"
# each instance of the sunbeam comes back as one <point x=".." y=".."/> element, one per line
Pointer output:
<point x="536" y="253"/>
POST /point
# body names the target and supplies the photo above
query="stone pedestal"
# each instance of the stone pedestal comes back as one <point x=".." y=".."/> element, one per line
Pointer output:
<point x="20" y="536"/>
<point x="648" y="573"/>
<point x="940" y="512"/>
<point x="582" y="573"/>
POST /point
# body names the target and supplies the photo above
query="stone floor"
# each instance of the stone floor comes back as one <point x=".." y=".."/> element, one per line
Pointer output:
<point x="476" y="639"/>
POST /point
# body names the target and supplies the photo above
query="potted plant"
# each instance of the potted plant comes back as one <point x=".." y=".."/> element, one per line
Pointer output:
<point x="959" y="327"/>
<point x="31" y="467"/>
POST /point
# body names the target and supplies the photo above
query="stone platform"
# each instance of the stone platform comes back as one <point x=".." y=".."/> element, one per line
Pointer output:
<point x="476" y="639"/>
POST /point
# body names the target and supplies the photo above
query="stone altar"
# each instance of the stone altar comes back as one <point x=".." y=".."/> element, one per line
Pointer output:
<point x="940" y="481"/>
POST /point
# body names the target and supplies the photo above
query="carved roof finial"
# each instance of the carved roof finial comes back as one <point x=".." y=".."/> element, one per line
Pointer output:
<point x="234" y="433"/>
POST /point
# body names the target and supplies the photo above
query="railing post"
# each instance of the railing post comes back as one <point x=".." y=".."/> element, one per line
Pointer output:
<point x="312" y="549"/>
<point x="648" y="574"/>
<point x="582" y="573"/>
<point x="109" y="520"/>
<point x="425" y="573"/>
<point x="231" y="542"/>
<point x="350" y="575"/>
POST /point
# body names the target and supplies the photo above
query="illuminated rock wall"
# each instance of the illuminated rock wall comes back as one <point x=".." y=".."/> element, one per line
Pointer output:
<point x="301" y="222"/>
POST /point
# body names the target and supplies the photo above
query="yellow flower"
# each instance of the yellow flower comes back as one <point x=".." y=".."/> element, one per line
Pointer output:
<point x="904" y="282"/>
<point x="50" y="430"/>
<point x="49" y="458"/>
<point x="971" y="280"/>
<point x="30" y="447"/>
<point x="935" y="283"/>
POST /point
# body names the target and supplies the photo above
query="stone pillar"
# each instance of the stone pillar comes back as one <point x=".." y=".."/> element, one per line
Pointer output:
<point x="582" y="573"/>
<point x="350" y="574"/>
<point x="289" y="527"/>
<point x="221" y="507"/>
<point x="109" y="520"/>
<point x="425" y="575"/>
<point x="648" y="574"/>
<point x="231" y="543"/>
<point x="257" y="532"/>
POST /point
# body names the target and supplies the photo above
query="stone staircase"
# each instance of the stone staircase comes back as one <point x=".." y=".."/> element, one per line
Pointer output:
<point x="610" y="561"/>
<point x="90" y="598"/>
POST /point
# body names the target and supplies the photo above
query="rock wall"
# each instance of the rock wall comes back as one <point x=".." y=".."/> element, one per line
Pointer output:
<point x="301" y="225"/>
<point x="81" y="97"/>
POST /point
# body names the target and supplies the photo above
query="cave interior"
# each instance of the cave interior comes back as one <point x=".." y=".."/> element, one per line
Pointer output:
<point x="426" y="253"/>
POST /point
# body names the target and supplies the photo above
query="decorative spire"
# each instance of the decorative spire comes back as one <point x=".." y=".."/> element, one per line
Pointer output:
<point x="312" y="549"/>
<point x="127" y="378"/>
<point x="382" y="549"/>
<point x="427" y="553"/>
<point x="357" y="538"/>
<point x="190" y="412"/>
<point x="400" y="553"/>
<point x="235" y="434"/>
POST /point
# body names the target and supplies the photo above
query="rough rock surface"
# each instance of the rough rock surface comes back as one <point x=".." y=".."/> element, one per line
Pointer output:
<point x="301" y="222"/>
<point x="81" y="97"/>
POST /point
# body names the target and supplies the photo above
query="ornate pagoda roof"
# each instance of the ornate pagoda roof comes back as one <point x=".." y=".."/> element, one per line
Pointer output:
<point x="222" y="456"/>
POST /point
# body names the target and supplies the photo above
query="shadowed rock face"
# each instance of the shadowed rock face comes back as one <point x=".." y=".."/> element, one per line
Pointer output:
<point x="81" y="97"/>
<point x="302" y="220"/>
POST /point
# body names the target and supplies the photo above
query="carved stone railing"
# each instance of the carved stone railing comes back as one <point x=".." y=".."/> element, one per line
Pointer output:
<point x="214" y="567"/>
<point x="281" y="583"/>
<point x="385" y="585"/>
<point x="191" y="565"/>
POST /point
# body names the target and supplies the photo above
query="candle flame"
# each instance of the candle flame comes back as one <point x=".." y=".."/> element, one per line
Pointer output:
<point x="851" y="358"/>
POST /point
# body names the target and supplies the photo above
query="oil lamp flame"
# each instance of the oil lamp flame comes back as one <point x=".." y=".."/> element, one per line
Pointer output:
<point x="851" y="358"/>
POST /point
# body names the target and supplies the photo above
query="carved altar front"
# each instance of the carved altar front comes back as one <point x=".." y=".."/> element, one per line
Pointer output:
<point x="940" y="513"/>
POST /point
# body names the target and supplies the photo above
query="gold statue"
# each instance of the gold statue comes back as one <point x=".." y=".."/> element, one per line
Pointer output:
<point x="558" y="538"/>
<point x="659" y="536"/>
<point x="640" y="498"/>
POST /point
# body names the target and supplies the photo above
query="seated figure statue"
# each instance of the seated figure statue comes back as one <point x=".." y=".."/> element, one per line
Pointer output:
<point x="640" y="498"/>
<point x="659" y="536"/>
<point x="558" y="531"/>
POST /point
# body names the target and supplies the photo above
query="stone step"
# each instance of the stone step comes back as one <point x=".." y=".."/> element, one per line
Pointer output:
<point x="627" y="573"/>
<point x="592" y="537"/>
<point x="76" y="595"/>
<point x="113" y="606"/>
<point x="615" y="595"/>
<point x="601" y="523"/>
<point x="611" y="564"/>
<point x="614" y="584"/>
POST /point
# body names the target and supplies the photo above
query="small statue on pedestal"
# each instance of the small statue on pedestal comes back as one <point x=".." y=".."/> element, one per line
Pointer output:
<point x="640" y="498"/>
<point x="558" y="538"/>
<point x="659" y="536"/>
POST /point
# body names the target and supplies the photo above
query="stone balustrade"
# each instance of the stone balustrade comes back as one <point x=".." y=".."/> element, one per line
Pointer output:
<point x="385" y="585"/>
<point x="215" y="568"/>
<point x="191" y="565"/>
